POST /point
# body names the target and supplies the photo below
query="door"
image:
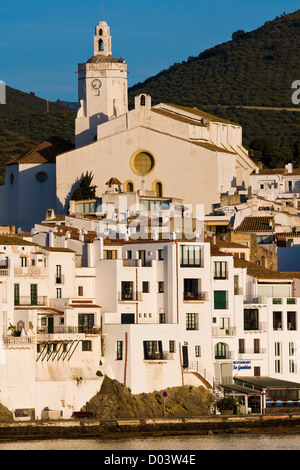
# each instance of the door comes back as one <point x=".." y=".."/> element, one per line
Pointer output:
<point x="185" y="357"/>
<point x="33" y="294"/>
<point x="50" y="325"/>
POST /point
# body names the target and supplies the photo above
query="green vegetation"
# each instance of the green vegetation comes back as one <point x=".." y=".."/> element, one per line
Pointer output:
<point x="26" y="120"/>
<point x="85" y="190"/>
<point x="253" y="69"/>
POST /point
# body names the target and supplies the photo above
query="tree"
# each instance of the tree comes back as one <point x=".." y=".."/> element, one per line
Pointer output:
<point x="85" y="189"/>
<point x="238" y="34"/>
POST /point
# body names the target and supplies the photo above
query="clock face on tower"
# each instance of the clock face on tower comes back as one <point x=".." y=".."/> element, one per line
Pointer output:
<point x="96" y="84"/>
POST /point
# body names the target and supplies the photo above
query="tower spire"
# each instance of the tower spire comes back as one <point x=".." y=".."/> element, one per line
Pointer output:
<point x="102" y="39"/>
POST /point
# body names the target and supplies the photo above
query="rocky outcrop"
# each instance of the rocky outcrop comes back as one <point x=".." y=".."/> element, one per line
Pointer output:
<point x="114" y="400"/>
<point x="5" y="415"/>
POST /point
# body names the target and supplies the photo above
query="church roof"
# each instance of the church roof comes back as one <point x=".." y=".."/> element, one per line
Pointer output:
<point x="97" y="59"/>
<point x="202" y="114"/>
<point x="44" y="152"/>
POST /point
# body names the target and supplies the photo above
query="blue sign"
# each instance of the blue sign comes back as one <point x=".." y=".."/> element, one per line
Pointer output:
<point x="240" y="365"/>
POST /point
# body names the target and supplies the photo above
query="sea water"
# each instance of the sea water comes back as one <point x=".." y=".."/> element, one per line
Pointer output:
<point x="232" y="442"/>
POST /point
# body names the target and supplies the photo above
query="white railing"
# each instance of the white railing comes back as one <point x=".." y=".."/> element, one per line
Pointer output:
<point x="27" y="300"/>
<point x="198" y="367"/>
<point x="13" y="341"/>
<point x="230" y="331"/>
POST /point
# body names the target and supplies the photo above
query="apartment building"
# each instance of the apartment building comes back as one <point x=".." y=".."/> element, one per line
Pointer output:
<point x="51" y="346"/>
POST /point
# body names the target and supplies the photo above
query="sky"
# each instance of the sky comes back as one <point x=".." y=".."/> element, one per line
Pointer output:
<point x="42" y="41"/>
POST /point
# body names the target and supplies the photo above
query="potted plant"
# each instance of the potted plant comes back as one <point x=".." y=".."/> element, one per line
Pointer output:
<point x="226" y="405"/>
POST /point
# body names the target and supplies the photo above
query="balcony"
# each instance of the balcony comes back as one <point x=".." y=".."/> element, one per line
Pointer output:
<point x="130" y="296"/>
<point x="18" y="341"/>
<point x="132" y="263"/>
<point x="195" y="296"/>
<point x="256" y="300"/>
<point x="163" y="356"/>
<point x="230" y="331"/>
<point x="250" y="352"/>
<point x="59" y="279"/>
<point x="29" y="301"/>
<point x="4" y="271"/>
<point x="67" y="330"/>
<point x="30" y="271"/>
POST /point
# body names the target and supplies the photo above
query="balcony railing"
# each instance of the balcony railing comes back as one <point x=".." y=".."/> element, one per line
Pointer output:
<point x="166" y="356"/>
<point x="224" y="355"/>
<point x="195" y="296"/>
<point x="15" y="341"/>
<point x="256" y="300"/>
<point x="29" y="301"/>
<point x="4" y="271"/>
<point x="253" y="351"/>
<point x="59" y="279"/>
<point x="132" y="263"/>
<point x="129" y="297"/>
<point x="230" y="331"/>
<point x="67" y="330"/>
<point x="30" y="271"/>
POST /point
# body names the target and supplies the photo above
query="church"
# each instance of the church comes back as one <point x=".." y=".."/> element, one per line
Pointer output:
<point x="166" y="149"/>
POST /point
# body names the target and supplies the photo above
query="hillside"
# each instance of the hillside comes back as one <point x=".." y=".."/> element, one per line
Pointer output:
<point x="253" y="69"/>
<point x="26" y="120"/>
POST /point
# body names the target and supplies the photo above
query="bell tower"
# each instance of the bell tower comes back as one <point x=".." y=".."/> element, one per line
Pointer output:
<point x="102" y="88"/>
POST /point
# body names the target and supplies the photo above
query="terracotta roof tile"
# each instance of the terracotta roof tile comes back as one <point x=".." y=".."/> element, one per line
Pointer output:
<point x="44" y="152"/>
<point x="256" y="224"/>
<point x="260" y="272"/>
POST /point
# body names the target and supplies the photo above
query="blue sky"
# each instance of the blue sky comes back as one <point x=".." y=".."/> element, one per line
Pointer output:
<point x="42" y="41"/>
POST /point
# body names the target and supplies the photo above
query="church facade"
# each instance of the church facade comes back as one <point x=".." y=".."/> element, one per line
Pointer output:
<point x="170" y="150"/>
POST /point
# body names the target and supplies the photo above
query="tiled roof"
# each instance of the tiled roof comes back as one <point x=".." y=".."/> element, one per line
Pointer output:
<point x="7" y="240"/>
<point x="277" y="171"/>
<point x="256" y="224"/>
<point x="201" y="114"/>
<point x="270" y="171"/>
<point x="97" y="59"/>
<point x="113" y="181"/>
<point x="44" y="152"/>
<point x="260" y="272"/>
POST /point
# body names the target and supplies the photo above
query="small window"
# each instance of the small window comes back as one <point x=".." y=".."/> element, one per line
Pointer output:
<point x="86" y="345"/>
<point x="146" y="288"/>
<point x="161" y="287"/>
<point x="41" y="177"/>
<point x="171" y="346"/>
<point x="162" y="318"/>
<point x="80" y="290"/>
<point x="58" y="293"/>
<point x="160" y="255"/>
<point x="119" y="350"/>
<point x="198" y="351"/>
<point x="192" y="321"/>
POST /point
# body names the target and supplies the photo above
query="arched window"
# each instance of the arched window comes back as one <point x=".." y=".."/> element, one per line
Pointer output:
<point x="143" y="100"/>
<point x="158" y="189"/>
<point x="221" y="351"/>
<point x="129" y="187"/>
<point x="101" y="46"/>
<point x="100" y="32"/>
